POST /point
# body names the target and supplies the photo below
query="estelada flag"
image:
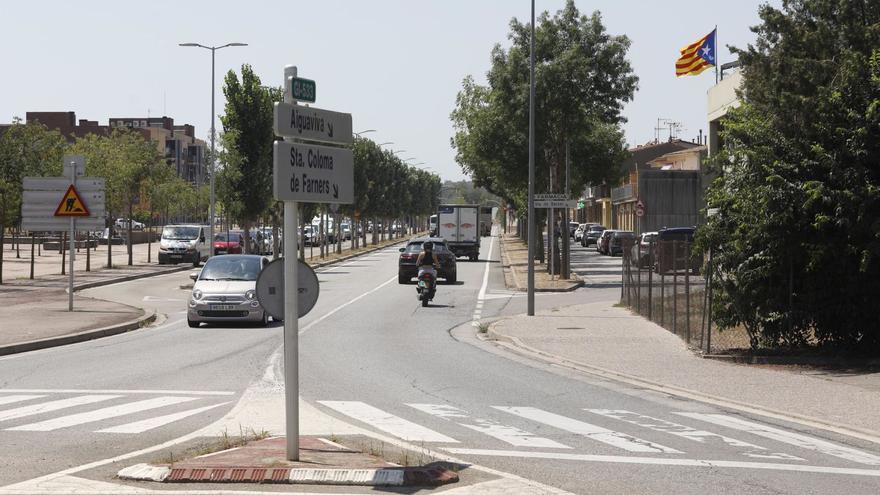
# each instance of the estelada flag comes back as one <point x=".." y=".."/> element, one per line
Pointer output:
<point x="697" y="56"/>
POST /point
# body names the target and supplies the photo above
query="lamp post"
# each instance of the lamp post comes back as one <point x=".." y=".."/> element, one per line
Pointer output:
<point x="213" y="133"/>
<point x="358" y="134"/>
<point x="530" y="295"/>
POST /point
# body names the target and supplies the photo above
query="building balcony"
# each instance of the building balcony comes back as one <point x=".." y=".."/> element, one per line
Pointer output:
<point x="622" y="194"/>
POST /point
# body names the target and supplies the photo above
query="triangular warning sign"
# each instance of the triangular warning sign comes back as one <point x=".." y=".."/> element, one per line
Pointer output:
<point x="72" y="205"/>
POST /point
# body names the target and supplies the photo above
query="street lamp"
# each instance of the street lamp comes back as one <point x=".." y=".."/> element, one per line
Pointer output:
<point x="386" y="142"/>
<point x="358" y="134"/>
<point x="213" y="132"/>
<point x="397" y="151"/>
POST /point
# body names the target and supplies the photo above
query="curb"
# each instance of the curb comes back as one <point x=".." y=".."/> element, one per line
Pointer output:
<point x="73" y="338"/>
<point x="414" y="476"/>
<point x="517" y="346"/>
<point x="129" y="278"/>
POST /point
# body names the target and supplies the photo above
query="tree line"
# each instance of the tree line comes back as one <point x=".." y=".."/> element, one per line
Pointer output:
<point x="139" y="182"/>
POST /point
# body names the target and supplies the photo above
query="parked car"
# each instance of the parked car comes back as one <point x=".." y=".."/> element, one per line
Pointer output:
<point x="407" y="269"/>
<point x="346" y="231"/>
<point x="572" y="227"/>
<point x="311" y="236"/>
<point x="122" y="224"/>
<point x="674" y="256"/>
<point x="591" y="235"/>
<point x="228" y="242"/>
<point x="602" y="242"/>
<point x="620" y="240"/>
<point x="225" y="291"/>
<point x="184" y="243"/>
<point x="641" y="255"/>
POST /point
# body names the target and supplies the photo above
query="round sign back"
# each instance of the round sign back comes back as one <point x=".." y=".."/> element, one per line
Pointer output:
<point x="270" y="288"/>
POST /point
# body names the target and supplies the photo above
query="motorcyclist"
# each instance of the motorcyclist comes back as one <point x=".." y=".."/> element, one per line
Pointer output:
<point x="427" y="260"/>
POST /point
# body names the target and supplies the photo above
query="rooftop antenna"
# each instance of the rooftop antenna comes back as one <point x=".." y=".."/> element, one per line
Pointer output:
<point x="673" y="127"/>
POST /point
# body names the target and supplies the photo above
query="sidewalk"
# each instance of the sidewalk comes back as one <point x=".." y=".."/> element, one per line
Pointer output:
<point x="607" y="340"/>
<point x="515" y="259"/>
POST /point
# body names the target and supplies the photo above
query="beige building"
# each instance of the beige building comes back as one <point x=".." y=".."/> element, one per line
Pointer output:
<point x="721" y="98"/>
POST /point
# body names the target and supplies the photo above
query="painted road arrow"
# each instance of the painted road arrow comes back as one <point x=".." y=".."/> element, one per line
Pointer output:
<point x="299" y="121"/>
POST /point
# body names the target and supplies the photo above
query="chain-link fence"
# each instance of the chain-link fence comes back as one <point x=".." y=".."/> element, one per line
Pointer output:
<point x="666" y="281"/>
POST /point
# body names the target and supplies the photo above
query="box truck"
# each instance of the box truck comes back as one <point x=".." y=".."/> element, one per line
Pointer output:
<point x="459" y="226"/>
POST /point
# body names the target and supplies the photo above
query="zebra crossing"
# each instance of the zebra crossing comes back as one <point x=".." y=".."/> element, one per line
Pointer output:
<point x="102" y="411"/>
<point x="625" y="435"/>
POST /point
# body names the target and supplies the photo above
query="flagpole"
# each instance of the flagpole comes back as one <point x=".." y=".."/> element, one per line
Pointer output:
<point x="717" y="54"/>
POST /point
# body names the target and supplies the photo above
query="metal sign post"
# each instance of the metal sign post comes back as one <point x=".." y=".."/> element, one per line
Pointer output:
<point x="309" y="173"/>
<point x="73" y="169"/>
<point x="291" y="318"/>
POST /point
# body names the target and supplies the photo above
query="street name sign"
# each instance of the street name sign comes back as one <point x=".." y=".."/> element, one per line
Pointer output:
<point x="313" y="174"/>
<point x="551" y="197"/>
<point x="302" y="89"/>
<point x="553" y="203"/>
<point x="270" y="288"/>
<point x="311" y="123"/>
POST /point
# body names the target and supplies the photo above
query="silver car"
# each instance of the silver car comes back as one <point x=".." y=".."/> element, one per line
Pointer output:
<point x="225" y="291"/>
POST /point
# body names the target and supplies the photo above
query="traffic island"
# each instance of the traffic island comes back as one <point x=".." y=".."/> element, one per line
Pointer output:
<point x="322" y="462"/>
<point x="515" y="262"/>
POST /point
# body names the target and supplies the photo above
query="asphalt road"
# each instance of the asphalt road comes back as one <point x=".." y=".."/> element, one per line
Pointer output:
<point x="373" y="357"/>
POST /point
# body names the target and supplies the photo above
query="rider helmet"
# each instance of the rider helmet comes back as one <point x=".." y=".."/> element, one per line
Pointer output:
<point x="428" y="245"/>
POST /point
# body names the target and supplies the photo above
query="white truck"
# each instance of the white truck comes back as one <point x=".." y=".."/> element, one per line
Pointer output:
<point x="459" y="226"/>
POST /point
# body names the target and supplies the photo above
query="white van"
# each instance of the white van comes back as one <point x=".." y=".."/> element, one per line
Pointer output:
<point x="184" y="244"/>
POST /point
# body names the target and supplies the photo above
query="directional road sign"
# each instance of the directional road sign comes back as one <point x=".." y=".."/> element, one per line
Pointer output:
<point x="312" y="123"/>
<point x="552" y="203"/>
<point x="313" y="174"/>
<point x="270" y="288"/>
<point x="302" y="89"/>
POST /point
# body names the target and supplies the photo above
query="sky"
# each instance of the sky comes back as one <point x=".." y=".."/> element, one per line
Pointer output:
<point x="395" y="65"/>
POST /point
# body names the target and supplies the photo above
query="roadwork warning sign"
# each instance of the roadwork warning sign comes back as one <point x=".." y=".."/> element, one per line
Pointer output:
<point x="72" y="205"/>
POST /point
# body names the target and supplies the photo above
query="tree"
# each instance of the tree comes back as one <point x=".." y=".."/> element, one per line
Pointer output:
<point x="248" y="138"/>
<point x="26" y="150"/>
<point x="126" y="161"/>
<point x="797" y="238"/>
<point x="582" y="80"/>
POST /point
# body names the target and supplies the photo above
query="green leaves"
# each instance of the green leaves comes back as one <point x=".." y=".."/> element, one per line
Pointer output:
<point x="582" y="81"/>
<point x="796" y="241"/>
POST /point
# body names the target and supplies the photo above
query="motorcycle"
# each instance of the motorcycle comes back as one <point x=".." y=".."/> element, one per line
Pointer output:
<point x="427" y="287"/>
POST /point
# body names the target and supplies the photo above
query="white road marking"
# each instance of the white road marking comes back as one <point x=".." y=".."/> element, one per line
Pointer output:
<point x="127" y="392"/>
<point x="101" y="414"/>
<point x="663" y="426"/>
<point x="152" y="423"/>
<point x="386" y="422"/>
<point x="666" y="461"/>
<point x="53" y="405"/>
<point x="11" y="399"/>
<point x="791" y="438"/>
<point x="481" y="296"/>
<point x="349" y="303"/>
<point x="594" y="432"/>
<point x="508" y="434"/>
